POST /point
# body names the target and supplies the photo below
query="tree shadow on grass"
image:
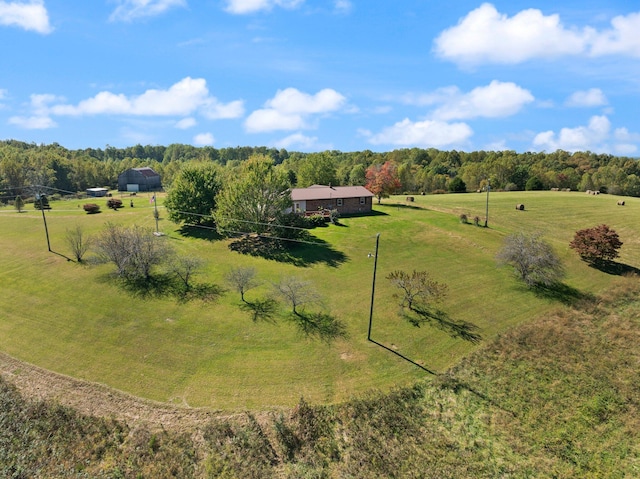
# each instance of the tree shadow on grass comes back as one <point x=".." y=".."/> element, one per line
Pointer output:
<point x="323" y="326"/>
<point x="203" y="232"/>
<point x="441" y="320"/>
<point x="261" y="309"/>
<point x="167" y="286"/>
<point x="614" y="268"/>
<point x="312" y="251"/>
<point x="563" y="293"/>
<point x="207" y="292"/>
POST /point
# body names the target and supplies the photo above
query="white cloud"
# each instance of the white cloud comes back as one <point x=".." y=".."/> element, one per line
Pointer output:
<point x="622" y="38"/>
<point x="241" y="7"/>
<point x="183" y="98"/>
<point x="343" y="6"/>
<point x="299" y="140"/>
<point x="28" y="15"/>
<point x="582" y="138"/>
<point x="33" y="122"/>
<point x="428" y="133"/>
<point x="485" y="35"/>
<point x="290" y="109"/>
<point x="129" y="10"/>
<point x="496" y="100"/>
<point x="587" y="98"/>
<point x="203" y="139"/>
<point x="214" y="110"/>
<point x="186" y="123"/>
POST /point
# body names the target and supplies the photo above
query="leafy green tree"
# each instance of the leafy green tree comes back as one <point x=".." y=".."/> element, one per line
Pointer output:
<point x="256" y="200"/>
<point x="532" y="258"/>
<point x="192" y="196"/>
<point x="317" y="169"/>
<point x="18" y="203"/>
<point x="457" y="185"/>
<point x="534" y="183"/>
<point x="597" y="245"/>
<point x="357" y="175"/>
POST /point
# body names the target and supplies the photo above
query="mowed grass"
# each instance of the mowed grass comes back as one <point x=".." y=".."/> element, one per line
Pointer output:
<point x="78" y="320"/>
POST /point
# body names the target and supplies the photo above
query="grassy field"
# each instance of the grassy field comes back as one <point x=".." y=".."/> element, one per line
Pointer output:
<point x="78" y="320"/>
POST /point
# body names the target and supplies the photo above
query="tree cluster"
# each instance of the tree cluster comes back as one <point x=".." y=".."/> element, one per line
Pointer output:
<point x="417" y="170"/>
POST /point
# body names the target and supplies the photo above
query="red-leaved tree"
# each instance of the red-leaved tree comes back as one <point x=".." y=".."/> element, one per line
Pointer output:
<point x="382" y="180"/>
<point x="597" y="244"/>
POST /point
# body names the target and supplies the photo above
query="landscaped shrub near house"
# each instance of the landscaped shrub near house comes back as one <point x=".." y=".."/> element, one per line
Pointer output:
<point x="114" y="203"/>
<point x="317" y="220"/>
<point x="91" y="208"/>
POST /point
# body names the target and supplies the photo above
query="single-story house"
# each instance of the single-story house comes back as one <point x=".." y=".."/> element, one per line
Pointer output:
<point x="139" y="179"/>
<point x="348" y="200"/>
<point x="97" y="192"/>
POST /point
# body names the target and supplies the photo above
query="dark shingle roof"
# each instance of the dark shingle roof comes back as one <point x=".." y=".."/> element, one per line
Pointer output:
<point x="322" y="192"/>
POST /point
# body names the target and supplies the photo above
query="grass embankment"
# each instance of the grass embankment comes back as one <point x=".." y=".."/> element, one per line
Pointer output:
<point x="79" y="321"/>
<point x="558" y="397"/>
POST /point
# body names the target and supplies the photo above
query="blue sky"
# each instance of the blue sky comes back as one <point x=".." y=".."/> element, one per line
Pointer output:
<point x="311" y="75"/>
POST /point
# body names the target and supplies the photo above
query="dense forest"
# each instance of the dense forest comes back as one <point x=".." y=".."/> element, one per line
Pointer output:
<point x="419" y="170"/>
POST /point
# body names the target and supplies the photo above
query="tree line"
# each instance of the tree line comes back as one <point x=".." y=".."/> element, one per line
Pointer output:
<point x="418" y="170"/>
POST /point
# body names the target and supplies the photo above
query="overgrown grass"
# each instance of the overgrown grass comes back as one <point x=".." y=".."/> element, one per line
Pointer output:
<point x="77" y="320"/>
<point x="558" y="397"/>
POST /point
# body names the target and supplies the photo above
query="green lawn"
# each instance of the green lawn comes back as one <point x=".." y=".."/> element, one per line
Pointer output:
<point x="77" y="320"/>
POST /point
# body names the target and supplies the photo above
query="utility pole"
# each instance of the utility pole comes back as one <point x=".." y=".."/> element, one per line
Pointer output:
<point x="44" y="219"/>
<point x="373" y="284"/>
<point x="486" y="216"/>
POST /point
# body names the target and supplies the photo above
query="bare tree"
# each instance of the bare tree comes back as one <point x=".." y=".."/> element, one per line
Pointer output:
<point x="296" y="292"/>
<point x="185" y="268"/>
<point x="134" y="251"/>
<point x="532" y="258"/>
<point x="78" y="241"/>
<point x="417" y="290"/>
<point x="242" y="279"/>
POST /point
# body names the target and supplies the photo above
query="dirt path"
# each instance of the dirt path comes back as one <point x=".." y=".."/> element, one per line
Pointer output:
<point x="98" y="400"/>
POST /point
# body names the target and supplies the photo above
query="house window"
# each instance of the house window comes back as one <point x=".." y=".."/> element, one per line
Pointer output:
<point x="363" y="200"/>
<point x="339" y="201"/>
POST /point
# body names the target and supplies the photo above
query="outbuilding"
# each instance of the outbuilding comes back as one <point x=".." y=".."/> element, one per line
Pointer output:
<point x="139" y="179"/>
<point x="97" y="192"/>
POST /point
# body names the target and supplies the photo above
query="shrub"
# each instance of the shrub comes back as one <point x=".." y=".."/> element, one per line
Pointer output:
<point x="316" y="220"/>
<point x="91" y="208"/>
<point x="114" y="203"/>
<point x="533" y="184"/>
<point x="457" y="185"/>
<point x="464" y="219"/>
<point x="476" y="220"/>
<point x="596" y="245"/>
<point x="334" y="216"/>
<point x="532" y="258"/>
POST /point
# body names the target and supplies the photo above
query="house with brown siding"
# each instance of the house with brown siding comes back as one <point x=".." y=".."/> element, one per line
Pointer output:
<point x="347" y="200"/>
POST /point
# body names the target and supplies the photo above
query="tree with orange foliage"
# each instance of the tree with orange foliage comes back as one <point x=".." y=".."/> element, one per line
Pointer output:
<point x="382" y="180"/>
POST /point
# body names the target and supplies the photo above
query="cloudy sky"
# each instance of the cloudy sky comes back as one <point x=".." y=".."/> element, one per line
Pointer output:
<point x="310" y="75"/>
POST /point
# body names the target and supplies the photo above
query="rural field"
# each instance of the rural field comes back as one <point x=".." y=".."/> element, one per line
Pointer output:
<point x="80" y="321"/>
